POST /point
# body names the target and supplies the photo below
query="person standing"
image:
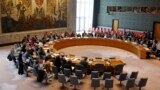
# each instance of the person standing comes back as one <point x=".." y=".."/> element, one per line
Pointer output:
<point x="21" y="65"/>
<point x="58" y="63"/>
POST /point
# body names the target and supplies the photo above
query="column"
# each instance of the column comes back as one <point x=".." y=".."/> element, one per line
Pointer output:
<point x="0" y="21"/>
<point x="71" y="15"/>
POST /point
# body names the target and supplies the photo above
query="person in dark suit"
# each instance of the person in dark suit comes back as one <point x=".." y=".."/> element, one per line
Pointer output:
<point x="84" y="62"/>
<point x="68" y="65"/>
<point x="48" y="54"/>
<point x="154" y="45"/>
<point x="63" y="61"/>
<point x="21" y="65"/>
<point x="84" y="34"/>
<point x="23" y="49"/>
<point x="86" y="65"/>
<point x="57" y="63"/>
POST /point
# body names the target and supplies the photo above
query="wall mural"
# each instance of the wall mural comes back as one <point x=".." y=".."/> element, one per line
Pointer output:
<point x="27" y="15"/>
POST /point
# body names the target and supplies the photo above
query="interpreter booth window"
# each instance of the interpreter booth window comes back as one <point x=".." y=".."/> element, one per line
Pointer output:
<point x="84" y="17"/>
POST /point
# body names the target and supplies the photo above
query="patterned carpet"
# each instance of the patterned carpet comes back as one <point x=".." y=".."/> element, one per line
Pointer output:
<point x="10" y="80"/>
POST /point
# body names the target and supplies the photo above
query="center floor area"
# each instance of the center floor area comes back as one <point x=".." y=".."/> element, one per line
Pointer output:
<point x="10" y="80"/>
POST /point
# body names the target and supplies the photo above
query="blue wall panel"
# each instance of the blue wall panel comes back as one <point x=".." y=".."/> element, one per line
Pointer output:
<point x="128" y="20"/>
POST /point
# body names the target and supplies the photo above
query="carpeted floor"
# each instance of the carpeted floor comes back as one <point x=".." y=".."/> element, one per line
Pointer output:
<point x="10" y="80"/>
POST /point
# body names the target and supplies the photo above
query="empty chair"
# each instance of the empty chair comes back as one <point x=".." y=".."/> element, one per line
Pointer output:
<point x="67" y="72"/>
<point x="62" y="79"/>
<point x="106" y="75"/>
<point x="55" y="72"/>
<point x="48" y="76"/>
<point x="95" y="83"/>
<point x="141" y="83"/>
<point x="108" y="83"/>
<point x="128" y="83"/>
<point x="99" y="67"/>
<point x="121" y="77"/>
<point x="74" y="81"/>
<point x="118" y="69"/>
<point x="134" y="75"/>
<point x="79" y="74"/>
<point x="94" y="74"/>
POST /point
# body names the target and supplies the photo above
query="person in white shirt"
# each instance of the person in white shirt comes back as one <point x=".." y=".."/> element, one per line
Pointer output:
<point x="40" y="44"/>
<point x="158" y="46"/>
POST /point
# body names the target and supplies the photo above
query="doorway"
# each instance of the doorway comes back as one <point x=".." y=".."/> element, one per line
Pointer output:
<point x="115" y="24"/>
<point x="156" y="30"/>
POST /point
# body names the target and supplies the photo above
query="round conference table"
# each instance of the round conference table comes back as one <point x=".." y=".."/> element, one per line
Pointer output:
<point x="139" y="50"/>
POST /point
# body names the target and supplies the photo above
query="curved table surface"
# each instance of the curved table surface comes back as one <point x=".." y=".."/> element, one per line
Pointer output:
<point x="140" y="51"/>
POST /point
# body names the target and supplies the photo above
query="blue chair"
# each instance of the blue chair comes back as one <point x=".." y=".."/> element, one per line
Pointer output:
<point x="141" y="82"/>
<point x="80" y="67"/>
<point x="128" y="83"/>
<point x="74" y="81"/>
<point x="108" y="83"/>
<point x="67" y="72"/>
<point x="62" y="79"/>
<point x="99" y="67"/>
<point x="121" y="77"/>
<point x="79" y="74"/>
<point x="94" y="74"/>
<point x="118" y="69"/>
<point x="134" y="75"/>
<point x="95" y="83"/>
<point x="106" y="75"/>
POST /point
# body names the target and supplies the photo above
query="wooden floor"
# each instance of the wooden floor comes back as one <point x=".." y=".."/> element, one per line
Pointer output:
<point x="10" y="80"/>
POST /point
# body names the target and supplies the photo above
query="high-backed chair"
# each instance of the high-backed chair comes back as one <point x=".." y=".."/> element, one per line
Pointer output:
<point x="141" y="82"/>
<point x="121" y="77"/>
<point x="99" y="67"/>
<point x="81" y="67"/>
<point x="106" y="75"/>
<point x="55" y="72"/>
<point x="74" y="81"/>
<point x="128" y="83"/>
<point x="108" y="83"/>
<point x="67" y="72"/>
<point x="95" y="83"/>
<point x="118" y="69"/>
<point x="62" y="79"/>
<point x="79" y="74"/>
<point x="134" y="75"/>
<point x="94" y="74"/>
